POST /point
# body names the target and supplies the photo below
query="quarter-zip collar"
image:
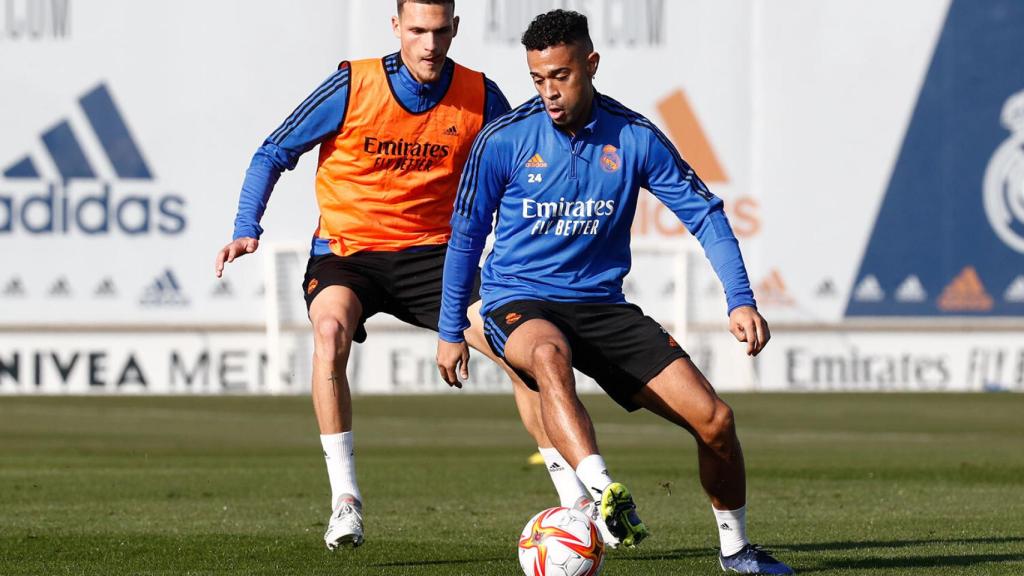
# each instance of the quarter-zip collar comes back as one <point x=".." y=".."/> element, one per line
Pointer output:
<point x="426" y="94"/>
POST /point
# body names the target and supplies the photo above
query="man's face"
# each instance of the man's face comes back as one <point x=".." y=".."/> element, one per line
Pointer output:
<point x="563" y="76"/>
<point x="426" y="32"/>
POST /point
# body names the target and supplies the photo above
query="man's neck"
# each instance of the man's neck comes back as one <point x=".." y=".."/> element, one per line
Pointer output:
<point x="576" y="127"/>
<point x="412" y="72"/>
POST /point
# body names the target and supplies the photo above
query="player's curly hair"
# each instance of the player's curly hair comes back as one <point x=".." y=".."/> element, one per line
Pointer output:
<point x="402" y="3"/>
<point x="558" y="27"/>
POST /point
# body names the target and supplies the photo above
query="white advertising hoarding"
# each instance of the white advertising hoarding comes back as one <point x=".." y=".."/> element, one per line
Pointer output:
<point x="869" y="155"/>
<point x="402" y="362"/>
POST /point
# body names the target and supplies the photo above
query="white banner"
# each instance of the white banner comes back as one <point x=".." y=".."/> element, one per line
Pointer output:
<point x="402" y="362"/>
<point x="869" y="172"/>
<point x="135" y="363"/>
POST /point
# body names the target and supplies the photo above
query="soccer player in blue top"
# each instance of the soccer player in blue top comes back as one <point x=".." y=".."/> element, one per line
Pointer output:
<point x="563" y="172"/>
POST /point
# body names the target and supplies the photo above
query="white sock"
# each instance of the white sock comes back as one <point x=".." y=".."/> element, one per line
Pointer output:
<point x="593" y="473"/>
<point x="563" y="477"/>
<point x="732" y="529"/>
<point x="341" y="465"/>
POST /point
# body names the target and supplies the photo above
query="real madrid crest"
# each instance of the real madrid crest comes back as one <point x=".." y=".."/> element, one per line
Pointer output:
<point x="1004" y="178"/>
<point x="610" y="161"/>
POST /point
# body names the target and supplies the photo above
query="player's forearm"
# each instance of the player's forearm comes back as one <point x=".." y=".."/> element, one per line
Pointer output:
<point x="726" y="259"/>
<point x="723" y="251"/>
<point x="460" y="267"/>
<point x="260" y="179"/>
<point x="318" y="117"/>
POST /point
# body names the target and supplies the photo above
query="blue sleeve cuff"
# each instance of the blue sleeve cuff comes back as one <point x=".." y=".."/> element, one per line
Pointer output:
<point x="740" y="302"/>
<point x="451" y="337"/>
<point x="247" y="231"/>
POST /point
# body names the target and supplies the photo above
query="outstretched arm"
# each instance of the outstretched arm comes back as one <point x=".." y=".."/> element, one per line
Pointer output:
<point x="676" y="184"/>
<point x="318" y="117"/>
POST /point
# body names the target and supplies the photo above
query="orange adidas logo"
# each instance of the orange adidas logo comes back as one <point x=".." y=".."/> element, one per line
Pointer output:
<point x="512" y="317"/>
<point x="965" y="293"/>
<point x="536" y="162"/>
<point x="772" y="290"/>
<point x="312" y="286"/>
<point x="689" y="137"/>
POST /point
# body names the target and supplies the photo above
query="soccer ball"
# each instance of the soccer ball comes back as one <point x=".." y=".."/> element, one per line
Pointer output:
<point x="561" y="542"/>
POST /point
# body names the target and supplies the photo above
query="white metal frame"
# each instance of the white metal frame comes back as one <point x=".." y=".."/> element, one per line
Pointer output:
<point x="272" y="299"/>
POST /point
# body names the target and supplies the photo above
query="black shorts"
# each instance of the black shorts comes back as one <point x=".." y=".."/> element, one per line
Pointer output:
<point x="406" y="284"/>
<point x="615" y="344"/>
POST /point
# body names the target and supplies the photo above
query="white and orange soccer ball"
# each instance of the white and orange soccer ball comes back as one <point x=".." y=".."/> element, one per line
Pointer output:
<point x="561" y="542"/>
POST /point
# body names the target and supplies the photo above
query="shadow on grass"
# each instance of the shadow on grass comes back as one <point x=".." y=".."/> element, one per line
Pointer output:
<point x="927" y="560"/>
<point x="409" y="563"/>
<point x="862" y="563"/>
<point x="860" y="545"/>
<point x="677" y="554"/>
<point x="619" y="555"/>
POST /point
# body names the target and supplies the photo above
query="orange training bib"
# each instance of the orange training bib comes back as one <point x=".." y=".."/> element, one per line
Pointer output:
<point x="388" y="180"/>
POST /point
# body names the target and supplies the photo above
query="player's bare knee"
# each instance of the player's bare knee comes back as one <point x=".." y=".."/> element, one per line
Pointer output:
<point x="719" y="431"/>
<point x="330" y="337"/>
<point x="549" y="354"/>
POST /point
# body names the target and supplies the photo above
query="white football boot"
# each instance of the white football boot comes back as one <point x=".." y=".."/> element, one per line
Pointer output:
<point x="345" y="527"/>
<point x="587" y="506"/>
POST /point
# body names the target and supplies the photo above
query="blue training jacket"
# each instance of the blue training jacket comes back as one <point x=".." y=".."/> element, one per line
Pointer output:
<point x="319" y="117"/>
<point x="565" y="208"/>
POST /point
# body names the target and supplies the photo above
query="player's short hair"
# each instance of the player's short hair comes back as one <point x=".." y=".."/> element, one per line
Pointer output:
<point x="401" y="3"/>
<point x="558" y="27"/>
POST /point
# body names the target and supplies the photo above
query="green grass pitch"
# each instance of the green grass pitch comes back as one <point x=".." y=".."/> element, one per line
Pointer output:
<point x="838" y="484"/>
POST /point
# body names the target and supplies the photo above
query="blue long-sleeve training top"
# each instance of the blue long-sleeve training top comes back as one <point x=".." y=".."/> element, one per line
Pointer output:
<point x="565" y="208"/>
<point x="321" y="116"/>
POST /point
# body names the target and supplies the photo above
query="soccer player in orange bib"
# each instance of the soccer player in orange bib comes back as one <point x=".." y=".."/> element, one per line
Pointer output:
<point x="394" y="134"/>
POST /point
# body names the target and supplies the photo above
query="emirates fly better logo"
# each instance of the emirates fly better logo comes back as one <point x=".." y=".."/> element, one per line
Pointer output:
<point x="69" y="191"/>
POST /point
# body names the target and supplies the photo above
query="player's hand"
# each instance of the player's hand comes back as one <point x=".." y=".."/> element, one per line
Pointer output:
<point x="747" y="325"/>
<point x="236" y="249"/>
<point x="453" y="358"/>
